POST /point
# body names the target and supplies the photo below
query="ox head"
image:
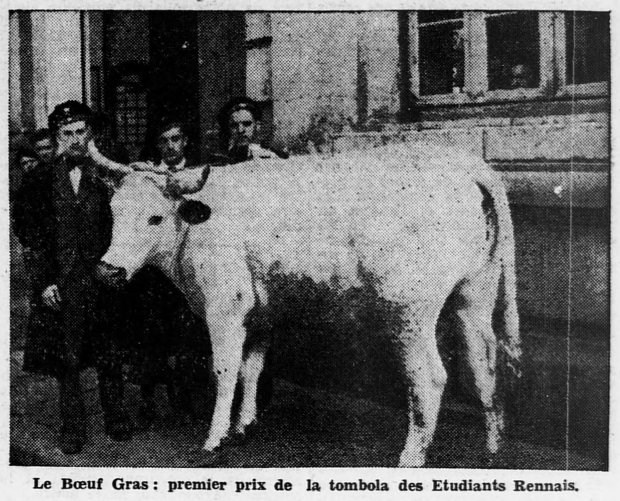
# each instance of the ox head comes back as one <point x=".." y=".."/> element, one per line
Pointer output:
<point x="148" y="225"/>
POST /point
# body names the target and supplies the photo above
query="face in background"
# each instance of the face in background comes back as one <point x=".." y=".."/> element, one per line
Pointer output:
<point x="45" y="149"/>
<point x="520" y="77"/>
<point x="28" y="164"/>
<point x="171" y="146"/>
<point x="72" y="140"/>
<point x="242" y="129"/>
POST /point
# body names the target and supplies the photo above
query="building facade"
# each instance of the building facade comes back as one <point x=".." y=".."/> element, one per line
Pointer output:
<point x="528" y="91"/>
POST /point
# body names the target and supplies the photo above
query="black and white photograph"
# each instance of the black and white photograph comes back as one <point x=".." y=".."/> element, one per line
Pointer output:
<point x="257" y="239"/>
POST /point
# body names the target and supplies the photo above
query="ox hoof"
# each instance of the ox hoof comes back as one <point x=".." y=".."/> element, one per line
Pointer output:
<point x="235" y="438"/>
<point x="490" y="460"/>
<point x="201" y="457"/>
<point x="246" y="431"/>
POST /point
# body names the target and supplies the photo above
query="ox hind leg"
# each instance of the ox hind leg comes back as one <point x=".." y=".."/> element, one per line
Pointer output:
<point x="251" y="369"/>
<point x="475" y="301"/>
<point x="425" y="377"/>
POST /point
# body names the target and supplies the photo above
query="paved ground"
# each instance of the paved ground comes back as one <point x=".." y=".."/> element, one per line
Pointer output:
<point x="303" y="427"/>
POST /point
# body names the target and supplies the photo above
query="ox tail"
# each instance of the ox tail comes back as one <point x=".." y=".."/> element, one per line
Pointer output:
<point x="509" y="338"/>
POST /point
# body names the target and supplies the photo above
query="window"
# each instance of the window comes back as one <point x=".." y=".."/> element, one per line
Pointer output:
<point x="474" y="56"/>
<point x="130" y="107"/>
<point x="587" y="47"/>
<point x="441" y="52"/>
<point x="130" y="115"/>
<point x="513" y="50"/>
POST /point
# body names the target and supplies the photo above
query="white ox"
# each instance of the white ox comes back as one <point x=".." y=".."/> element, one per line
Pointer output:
<point x="424" y="221"/>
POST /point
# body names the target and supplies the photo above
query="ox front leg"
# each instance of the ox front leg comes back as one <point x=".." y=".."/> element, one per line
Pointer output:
<point x="426" y="378"/>
<point x="227" y="336"/>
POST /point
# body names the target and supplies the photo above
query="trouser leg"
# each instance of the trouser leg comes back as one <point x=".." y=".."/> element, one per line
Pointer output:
<point x="116" y="419"/>
<point x="179" y="386"/>
<point x="71" y="403"/>
<point x="147" y="412"/>
<point x="264" y="391"/>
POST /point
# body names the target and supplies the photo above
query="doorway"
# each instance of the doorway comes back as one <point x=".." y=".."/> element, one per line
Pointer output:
<point x="173" y="72"/>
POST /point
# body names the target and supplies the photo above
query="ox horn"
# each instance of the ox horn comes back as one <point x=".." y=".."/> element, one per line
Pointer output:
<point x="177" y="184"/>
<point x="112" y="166"/>
<point x="105" y="162"/>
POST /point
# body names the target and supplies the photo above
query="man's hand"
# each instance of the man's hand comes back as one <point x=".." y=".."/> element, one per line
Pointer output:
<point x="51" y="297"/>
<point x="187" y="181"/>
<point x="93" y="151"/>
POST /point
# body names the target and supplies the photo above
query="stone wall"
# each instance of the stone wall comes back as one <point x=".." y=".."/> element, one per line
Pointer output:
<point x="221" y="68"/>
<point x="47" y="48"/>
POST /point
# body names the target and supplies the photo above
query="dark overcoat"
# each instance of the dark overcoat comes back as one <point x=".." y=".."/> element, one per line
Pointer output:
<point x="66" y="236"/>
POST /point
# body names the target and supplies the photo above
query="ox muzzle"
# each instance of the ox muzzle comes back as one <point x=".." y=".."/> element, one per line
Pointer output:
<point x="111" y="276"/>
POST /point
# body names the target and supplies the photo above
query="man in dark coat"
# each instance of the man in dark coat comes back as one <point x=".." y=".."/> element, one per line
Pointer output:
<point x="239" y="126"/>
<point x="66" y="226"/>
<point x="163" y="327"/>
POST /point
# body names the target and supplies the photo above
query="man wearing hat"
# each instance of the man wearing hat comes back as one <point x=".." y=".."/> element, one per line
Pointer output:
<point x="239" y="123"/>
<point x="68" y="226"/>
<point x="31" y="171"/>
<point x="164" y="328"/>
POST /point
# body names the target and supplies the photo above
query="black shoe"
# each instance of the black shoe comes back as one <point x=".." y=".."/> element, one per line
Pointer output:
<point x="120" y="431"/>
<point x="71" y="442"/>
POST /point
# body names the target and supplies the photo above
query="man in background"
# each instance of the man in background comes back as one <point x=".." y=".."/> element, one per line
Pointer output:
<point x="171" y="143"/>
<point x="28" y="160"/>
<point x="239" y="123"/>
<point x="31" y="173"/>
<point x="43" y="145"/>
<point x="521" y="77"/>
<point x="165" y="328"/>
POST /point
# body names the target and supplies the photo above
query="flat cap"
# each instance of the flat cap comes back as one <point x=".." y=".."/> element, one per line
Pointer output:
<point x="68" y="112"/>
<point x="237" y="104"/>
<point x="167" y="122"/>
<point x="26" y="151"/>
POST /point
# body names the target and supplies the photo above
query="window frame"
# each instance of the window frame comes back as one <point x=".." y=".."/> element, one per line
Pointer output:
<point x="552" y="64"/>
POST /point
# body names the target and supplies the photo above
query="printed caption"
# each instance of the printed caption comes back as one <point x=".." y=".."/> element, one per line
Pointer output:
<point x="310" y="485"/>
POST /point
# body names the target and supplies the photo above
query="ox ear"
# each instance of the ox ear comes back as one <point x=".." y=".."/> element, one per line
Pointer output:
<point x="193" y="211"/>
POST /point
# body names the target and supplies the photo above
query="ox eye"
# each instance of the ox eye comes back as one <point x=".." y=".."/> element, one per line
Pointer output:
<point x="155" y="220"/>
